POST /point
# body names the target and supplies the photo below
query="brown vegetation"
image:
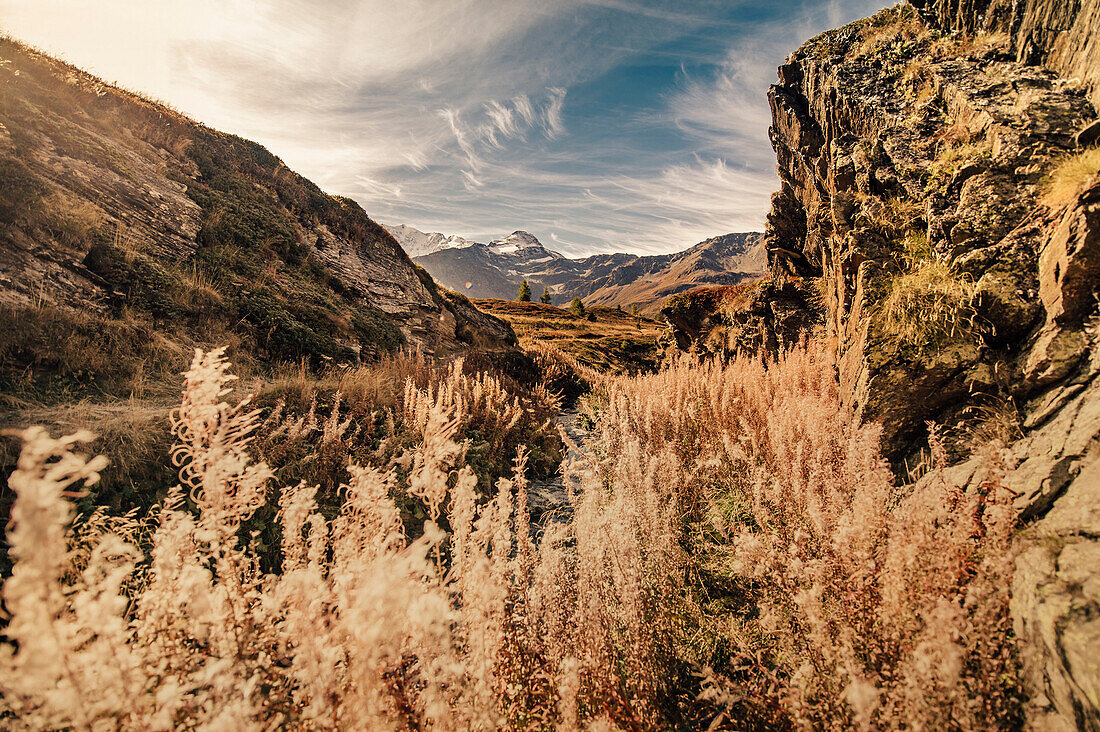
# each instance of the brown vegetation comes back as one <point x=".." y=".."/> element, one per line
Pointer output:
<point x="607" y="339"/>
<point x="738" y="556"/>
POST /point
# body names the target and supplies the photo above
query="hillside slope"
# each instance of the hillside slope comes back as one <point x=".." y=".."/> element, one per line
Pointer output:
<point x="119" y="216"/>
<point x="647" y="281"/>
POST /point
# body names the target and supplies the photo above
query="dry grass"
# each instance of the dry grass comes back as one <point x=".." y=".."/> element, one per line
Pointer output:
<point x="197" y="291"/>
<point x="928" y="305"/>
<point x="1069" y="176"/>
<point x="612" y="341"/>
<point x="74" y="219"/>
<point x="888" y="28"/>
<point x="51" y="355"/>
<point x="955" y="45"/>
<point x="956" y="150"/>
<point x="737" y="557"/>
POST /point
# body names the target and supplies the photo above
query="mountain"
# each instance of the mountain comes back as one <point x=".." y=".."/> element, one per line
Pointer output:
<point x="125" y="225"/>
<point x="416" y="243"/>
<point x="495" y="270"/>
<point x="628" y="280"/>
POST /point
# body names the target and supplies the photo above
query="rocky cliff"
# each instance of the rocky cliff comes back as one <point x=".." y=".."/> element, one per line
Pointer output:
<point x="118" y="207"/>
<point x="939" y="185"/>
<point x="1058" y="34"/>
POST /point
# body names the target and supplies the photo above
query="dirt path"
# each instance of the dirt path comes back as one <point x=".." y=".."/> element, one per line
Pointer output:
<point x="547" y="499"/>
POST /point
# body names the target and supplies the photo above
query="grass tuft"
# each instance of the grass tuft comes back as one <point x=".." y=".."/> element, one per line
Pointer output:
<point x="1069" y="175"/>
<point x="928" y="305"/>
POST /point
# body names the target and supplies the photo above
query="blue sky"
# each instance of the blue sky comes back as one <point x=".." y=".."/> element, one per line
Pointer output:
<point x="597" y="125"/>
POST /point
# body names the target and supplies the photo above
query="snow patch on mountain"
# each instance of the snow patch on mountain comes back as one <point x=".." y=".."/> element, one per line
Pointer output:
<point x="417" y="243"/>
<point x="523" y="244"/>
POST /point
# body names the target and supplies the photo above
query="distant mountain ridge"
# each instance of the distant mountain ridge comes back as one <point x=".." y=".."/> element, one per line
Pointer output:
<point x="416" y="243"/>
<point x="495" y="270"/>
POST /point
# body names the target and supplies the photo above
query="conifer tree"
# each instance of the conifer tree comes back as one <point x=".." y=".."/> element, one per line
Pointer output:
<point x="524" y="292"/>
<point x="546" y="299"/>
<point x="577" y="307"/>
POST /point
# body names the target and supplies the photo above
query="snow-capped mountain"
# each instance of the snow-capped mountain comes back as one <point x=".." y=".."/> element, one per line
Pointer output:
<point x="495" y="270"/>
<point x="416" y="243"/>
<point x="524" y="246"/>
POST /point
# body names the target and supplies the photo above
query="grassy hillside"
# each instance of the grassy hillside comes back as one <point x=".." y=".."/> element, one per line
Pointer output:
<point x="609" y="340"/>
<point x="130" y="234"/>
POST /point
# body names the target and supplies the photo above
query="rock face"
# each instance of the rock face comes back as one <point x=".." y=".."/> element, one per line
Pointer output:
<point x="913" y="150"/>
<point x="911" y="168"/>
<point x="760" y="316"/>
<point x="109" y="202"/>
<point x="1059" y="34"/>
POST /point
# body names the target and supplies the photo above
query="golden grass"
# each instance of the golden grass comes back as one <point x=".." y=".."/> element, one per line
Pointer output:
<point x="928" y="305"/>
<point x="613" y="341"/>
<point x="888" y="27"/>
<point x="73" y="218"/>
<point x="197" y="291"/>
<point x="736" y="555"/>
<point x="1068" y="176"/>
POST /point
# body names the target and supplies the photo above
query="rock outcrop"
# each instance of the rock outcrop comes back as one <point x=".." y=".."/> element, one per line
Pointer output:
<point x="1058" y="34"/>
<point x="109" y="201"/>
<point x="915" y="150"/>
<point x="762" y="316"/>
<point x="912" y="167"/>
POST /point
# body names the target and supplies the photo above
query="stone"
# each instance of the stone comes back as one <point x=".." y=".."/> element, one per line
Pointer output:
<point x="1056" y="353"/>
<point x="1058" y="34"/>
<point x="1069" y="265"/>
<point x="1087" y="135"/>
<point x="1052" y="404"/>
<point x="1056" y="624"/>
<point x="1077" y="511"/>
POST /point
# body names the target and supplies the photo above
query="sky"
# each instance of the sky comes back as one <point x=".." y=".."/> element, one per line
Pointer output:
<point x="596" y="125"/>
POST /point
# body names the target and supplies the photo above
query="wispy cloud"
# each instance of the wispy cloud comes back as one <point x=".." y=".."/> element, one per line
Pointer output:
<point x="552" y="115"/>
<point x="595" y="124"/>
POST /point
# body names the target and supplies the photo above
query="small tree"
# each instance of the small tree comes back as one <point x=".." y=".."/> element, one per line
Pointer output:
<point x="524" y="292"/>
<point x="577" y="307"/>
<point x="546" y="299"/>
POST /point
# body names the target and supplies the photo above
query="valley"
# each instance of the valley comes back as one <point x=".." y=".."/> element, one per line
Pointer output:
<point x="608" y="340"/>
<point x="495" y="270"/>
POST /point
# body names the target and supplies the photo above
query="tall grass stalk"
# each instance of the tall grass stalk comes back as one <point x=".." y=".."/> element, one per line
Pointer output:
<point x="737" y="556"/>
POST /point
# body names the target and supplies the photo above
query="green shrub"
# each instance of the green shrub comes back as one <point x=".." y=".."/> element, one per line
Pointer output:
<point x="928" y="305"/>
